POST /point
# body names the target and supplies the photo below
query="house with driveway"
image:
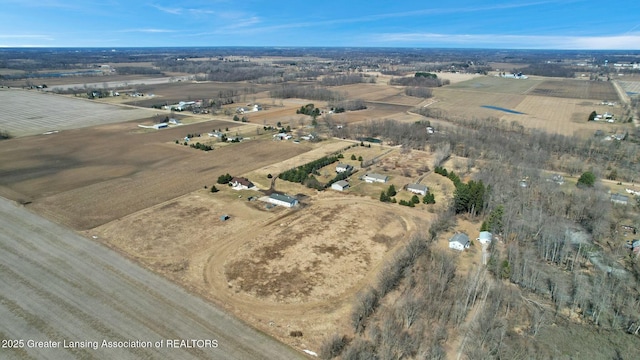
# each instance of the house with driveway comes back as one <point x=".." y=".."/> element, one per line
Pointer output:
<point x="418" y="189"/>
<point x="340" y="168"/>
<point x="485" y="237"/>
<point x="241" y="183"/>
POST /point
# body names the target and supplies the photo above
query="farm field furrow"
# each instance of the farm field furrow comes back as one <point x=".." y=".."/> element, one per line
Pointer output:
<point x="31" y="112"/>
<point x="58" y="286"/>
<point x="105" y="175"/>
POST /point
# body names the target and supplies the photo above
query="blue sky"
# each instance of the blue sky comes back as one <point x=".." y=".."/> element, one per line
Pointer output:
<point x="459" y="24"/>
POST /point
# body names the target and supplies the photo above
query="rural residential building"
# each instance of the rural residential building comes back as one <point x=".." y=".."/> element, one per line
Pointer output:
<point x="485" y="237"/>
<point x="340" y="185"/>
<point x="160" y="126"/>
<point x="619" y="199"/>
<point x="282" y="136"/>
<point x="282" y="200"/>
<point x="340" y="168"/>
<point x="418" y="189"/>
<point x="459" y="242"/>
<point x="240" y="183"/>
<point x="371" y="178"/>
<point x="216" y="134"/>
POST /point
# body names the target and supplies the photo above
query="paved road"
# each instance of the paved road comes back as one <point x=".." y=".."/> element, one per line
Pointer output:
<point x="59" y="288"/>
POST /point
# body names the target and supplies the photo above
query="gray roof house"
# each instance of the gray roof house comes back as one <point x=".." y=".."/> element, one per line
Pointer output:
<point x="340" y="185"/>
<point x="459" y="242"/>
<point x="283" y="200"/>
<point x="371" y="178"/>
<point x="619" y="199"/>
<point x="418" y="189"/>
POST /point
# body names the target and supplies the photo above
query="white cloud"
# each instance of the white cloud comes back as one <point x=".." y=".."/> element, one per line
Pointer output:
<point x="149" y="30"/>
<point x="614" y="42"/>
<point x="26" y="36"/>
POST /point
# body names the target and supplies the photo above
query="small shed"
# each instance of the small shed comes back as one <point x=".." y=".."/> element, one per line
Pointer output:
<point x="224" y="217"/>
<point x="485" y="237"/>
<point x="340" y="185"/>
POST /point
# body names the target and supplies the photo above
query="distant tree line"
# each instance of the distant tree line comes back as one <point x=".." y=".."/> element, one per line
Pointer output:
<point x="304" y="92"/>
<point x="421" y="92"/>
<point x="339" y="80"/>
<point x="347" y="105"/>
<point x="419" y="81"/>
<point x="137" y="70"/>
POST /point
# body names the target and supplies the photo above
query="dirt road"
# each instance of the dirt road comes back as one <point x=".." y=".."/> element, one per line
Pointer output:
<point x="61" y="289"/>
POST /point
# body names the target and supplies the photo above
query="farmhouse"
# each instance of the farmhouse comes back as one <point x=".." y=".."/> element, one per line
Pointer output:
<point x="418" y="189"/>
<point x="340" y="185"/>
<point x="216" y="134"/>
<point x="160" y="126"/>
<point x="459" y="242"/>
<point x="619" y="199"/>
<point x="282" y="136"/>
<point x="241" y="183"/>
<point x="371" y="178"/>
<point x="485" y="237"/>
<point x="340" y="168"/>
<point x="282" y="200"/>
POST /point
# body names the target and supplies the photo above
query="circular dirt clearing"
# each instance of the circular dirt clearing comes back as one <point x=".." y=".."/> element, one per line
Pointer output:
<point x="316" y="253"/>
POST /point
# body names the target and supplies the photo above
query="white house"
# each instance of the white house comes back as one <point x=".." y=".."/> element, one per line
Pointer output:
<point x="485" y="237"/>
<point x="418" y="189"/>
<point x="371" y="178"/>
<point x="216" y="134"/>
<point x="282" y="136"/>
<point x="340" y="168"/>
<point x="459" y="242"/>
<point x="241" y="183"/>
<point x="340" y="185"/>
<point x="282" y="200"/>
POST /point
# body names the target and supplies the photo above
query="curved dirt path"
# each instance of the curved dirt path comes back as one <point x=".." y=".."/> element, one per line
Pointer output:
<point x="319" y="317"/>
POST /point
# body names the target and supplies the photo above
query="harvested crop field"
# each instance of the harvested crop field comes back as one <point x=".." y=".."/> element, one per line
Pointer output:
<point x="562" y="116"/>
<point x="632" y="88"/>
<point x="28" y="112"/>
<point x="496" y="85"/>
<point x="87" y="177"/>
<point x="470" y="104"/>
<point x="576" y="89"/>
